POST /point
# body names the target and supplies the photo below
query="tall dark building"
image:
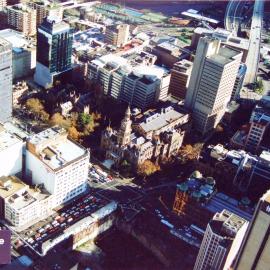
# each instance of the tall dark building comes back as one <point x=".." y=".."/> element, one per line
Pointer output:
<point x="54" y="49"/>
<point x="255" y="250"/>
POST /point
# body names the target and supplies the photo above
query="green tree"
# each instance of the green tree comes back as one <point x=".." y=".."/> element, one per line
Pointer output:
<point x="84" y="119"/>
<point x="86" y="123"/>
<point x="258" y="85"/>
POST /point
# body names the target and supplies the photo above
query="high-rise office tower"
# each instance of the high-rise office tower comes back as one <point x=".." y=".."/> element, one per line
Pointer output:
<point x="22" y="18"/>
<point x="117" y="35"/>
<point x="5" y="80"/>
<point x="223" y="233"/>
<point x="180" y="76"/>
<point x="212" y="79"/>
<point x="255" y="250"/>
<point x="54" y="49"/>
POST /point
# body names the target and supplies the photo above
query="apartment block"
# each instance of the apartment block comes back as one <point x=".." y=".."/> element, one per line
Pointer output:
<point x="117" y="35"/>
<point x="45" y="9"/>
<point x="22" y="18"/>
<point x="180" y="76"/>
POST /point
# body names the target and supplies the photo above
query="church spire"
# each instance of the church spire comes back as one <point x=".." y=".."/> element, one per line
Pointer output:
<point x="123" y="136"/>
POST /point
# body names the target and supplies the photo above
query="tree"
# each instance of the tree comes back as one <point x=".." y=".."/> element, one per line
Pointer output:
<point x="86" y="123"/>
<point x="34" y="105"/>
<point x="73" y="133"/>
<point x="189" y="152"/>
<point x="147" y="168"/>
<point x="258" y="85"/>
<point x="44" y="116"/>
<point x="83" y="120"/>
<point x="58" y="119"/>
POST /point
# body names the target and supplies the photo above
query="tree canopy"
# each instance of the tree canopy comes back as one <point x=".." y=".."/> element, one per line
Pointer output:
<point x="147" y="168"/>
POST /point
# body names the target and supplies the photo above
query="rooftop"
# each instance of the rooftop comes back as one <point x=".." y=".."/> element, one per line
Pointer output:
<point x="222" y="201"/>
<point x="157" y="120"/>
<point x="54" y="148"/>
<point x="227" y="223"/>
<point x="16" y="39"/>
<point x="129" y="65"/>
<point x="9" y="185"/>
<point x="225" y="55"/>
<point x="7" y="139"/>
<point x="21" y="8"/>
<point x="18" y="194"/>
<point x="199" y="187"/>
<point x="54" y="25"/>
<point x="184" y="64"/>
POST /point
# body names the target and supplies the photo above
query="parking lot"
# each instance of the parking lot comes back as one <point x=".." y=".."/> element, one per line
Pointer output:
<point x="54" y="225"/>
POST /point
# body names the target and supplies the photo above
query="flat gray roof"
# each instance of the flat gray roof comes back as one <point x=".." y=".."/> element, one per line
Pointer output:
<point x="159" y="120"/>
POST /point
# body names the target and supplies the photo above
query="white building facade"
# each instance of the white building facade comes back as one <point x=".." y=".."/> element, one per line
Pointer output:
<point x="11" y="151"/>
<point x="212" y="80"/>
<point x="5" y="80"/>
<point x="57" y="163"/>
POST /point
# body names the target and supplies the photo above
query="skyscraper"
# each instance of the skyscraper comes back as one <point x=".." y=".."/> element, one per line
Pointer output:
<point x="255" y="250"/>
<point x="5" y="80"/>
<point x="218" y="239"/>
<point x="212" y="79"/>
<point x="54" y="49"/>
